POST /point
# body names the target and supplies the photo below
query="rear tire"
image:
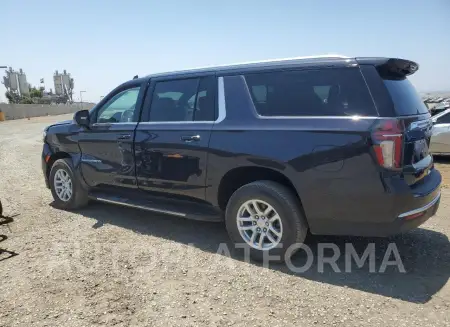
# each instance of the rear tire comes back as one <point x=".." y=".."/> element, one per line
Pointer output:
<point x="273" y="212"/>
<point x="67" y="191"/>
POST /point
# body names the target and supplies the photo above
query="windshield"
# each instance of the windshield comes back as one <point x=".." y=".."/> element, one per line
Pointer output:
<point x="405" y="97"/>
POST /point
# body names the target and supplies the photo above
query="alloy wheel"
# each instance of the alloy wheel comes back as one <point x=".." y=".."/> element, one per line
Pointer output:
<point x="259" y="224"/>
<point x="63" y="185"/>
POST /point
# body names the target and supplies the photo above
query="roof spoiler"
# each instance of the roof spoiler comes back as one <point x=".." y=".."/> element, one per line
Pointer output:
<point x="391" y="67"/>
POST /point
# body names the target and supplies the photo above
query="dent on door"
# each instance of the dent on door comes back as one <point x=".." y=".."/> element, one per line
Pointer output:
<point x="107" y="159"/>
<point x="166" y="162"/>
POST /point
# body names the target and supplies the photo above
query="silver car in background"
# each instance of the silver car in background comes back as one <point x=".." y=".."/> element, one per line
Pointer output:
<point x="440" y="139"/>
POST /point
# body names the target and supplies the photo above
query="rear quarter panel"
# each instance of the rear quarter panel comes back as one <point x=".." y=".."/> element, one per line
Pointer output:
<point x="329" y="160"/>
<point x="333" y="171"/>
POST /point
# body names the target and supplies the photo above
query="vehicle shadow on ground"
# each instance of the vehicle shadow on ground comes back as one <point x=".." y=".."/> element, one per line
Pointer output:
<point x="425" y="254"/>
<point x="5" y="254"/>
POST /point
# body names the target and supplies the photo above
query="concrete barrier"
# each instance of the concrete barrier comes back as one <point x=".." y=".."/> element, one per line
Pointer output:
<point x="19" y="111"/>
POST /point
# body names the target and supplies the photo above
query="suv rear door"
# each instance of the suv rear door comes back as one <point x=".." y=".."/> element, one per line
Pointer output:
<point x="172" y="138"/>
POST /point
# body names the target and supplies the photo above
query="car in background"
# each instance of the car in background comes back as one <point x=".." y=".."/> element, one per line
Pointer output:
<point x="440" y="137"/>
<point x="441" y="107"/>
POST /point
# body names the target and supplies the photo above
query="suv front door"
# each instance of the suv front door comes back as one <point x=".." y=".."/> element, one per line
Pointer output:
<point x="172" y="138"/>
<point x="107" y="146"/>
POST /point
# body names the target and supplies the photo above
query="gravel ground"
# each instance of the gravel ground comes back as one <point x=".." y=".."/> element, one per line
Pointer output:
<point x="112" y="266"/>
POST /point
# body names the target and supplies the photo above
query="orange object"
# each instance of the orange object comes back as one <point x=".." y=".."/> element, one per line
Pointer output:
<point x="175" y="155"/>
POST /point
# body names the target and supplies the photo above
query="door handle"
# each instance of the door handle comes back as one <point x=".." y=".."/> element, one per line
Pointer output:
<point x="190" y="138"/>
<point x="124" y="136"/>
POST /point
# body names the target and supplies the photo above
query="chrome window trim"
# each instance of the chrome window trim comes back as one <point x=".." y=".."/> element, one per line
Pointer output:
<point x="356" y="117"/>
<point x="113" y="124"/>
<point x="175" y="122"/>
<point x="421" y="209"/>
<point x="321" y="117"/>
<point x="221" y="104"/>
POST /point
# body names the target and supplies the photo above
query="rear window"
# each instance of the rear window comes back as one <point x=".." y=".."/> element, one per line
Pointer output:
<point x="326" y="92"/>
<point x="405" y="97"/>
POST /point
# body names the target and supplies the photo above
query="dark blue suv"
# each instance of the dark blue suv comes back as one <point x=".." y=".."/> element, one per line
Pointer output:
<point x="329" y="144"/>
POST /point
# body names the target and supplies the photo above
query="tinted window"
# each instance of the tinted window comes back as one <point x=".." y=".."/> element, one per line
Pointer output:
<point x="327" y="92"/>
<point x="183" y="100"/>
<point x="445" y="119"/>
<point x="120" y="108"/>
<point x="205" y="101"/>
<point x="405" y="97"/>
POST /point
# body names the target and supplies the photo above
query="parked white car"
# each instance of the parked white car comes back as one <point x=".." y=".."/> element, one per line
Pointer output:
<point x="440" y="139"/>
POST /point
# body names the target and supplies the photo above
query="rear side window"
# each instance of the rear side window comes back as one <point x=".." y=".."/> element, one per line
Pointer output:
<point x="326" y="92"/>
<point x="405" y="97"/>
<point x="183" y="100"/>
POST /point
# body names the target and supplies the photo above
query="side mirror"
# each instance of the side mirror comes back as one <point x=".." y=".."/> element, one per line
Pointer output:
<point x="82" y="118"/>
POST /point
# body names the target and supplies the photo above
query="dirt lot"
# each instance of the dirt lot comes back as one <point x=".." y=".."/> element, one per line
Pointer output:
<point x="111" y="266"/>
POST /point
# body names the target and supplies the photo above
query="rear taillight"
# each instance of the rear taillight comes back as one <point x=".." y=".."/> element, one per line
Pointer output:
<point x="387" y="138"/>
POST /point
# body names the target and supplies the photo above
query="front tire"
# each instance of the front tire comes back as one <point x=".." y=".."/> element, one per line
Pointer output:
<point x="67" y="191"/>
<point x="265" y="216"/>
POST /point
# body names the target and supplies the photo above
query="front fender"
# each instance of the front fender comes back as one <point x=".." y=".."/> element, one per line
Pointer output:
<point x="59" y="146"/>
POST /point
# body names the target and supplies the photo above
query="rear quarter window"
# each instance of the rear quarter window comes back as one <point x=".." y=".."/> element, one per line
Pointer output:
<point x="325" y="92"/>
<point x="405" y="97"/>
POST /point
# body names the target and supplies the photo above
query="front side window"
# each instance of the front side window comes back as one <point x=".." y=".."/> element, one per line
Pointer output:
<point x="120" y="108"/>
<point x="325" y="92"/>
<point x="183" y="100"/>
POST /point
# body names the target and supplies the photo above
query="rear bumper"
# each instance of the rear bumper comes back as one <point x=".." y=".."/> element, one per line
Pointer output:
<point x="408" y="211"/>
<point x="419" y="211"/>
<point x="414" y="218"/>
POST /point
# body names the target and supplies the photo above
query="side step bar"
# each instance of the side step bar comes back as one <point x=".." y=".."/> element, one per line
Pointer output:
<point x="136" y="206"/>
<point x="176" y="208"/>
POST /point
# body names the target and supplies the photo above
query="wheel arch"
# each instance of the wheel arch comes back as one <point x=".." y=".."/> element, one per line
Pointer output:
<point x="240" y="176"/>
<point x="56" y="156"/>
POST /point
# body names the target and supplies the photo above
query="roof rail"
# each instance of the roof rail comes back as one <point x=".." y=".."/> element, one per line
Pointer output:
<point x="325" y="56"/>
<point x="331" y="56"/>
<point x="237" y="65"/>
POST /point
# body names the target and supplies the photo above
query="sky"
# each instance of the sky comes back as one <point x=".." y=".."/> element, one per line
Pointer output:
<point x="103" y="43"/>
